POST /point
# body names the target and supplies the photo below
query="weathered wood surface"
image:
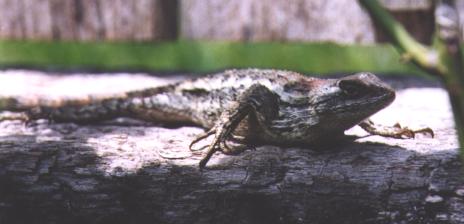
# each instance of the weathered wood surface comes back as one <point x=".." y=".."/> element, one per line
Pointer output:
<point x="303" y="20"/>
<point x="119" y="172"/>
<point x="342" y="21"/>
<point x="141" y="20"/>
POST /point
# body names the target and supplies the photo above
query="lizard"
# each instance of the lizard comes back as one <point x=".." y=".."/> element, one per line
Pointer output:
<point x="248" y="107"/>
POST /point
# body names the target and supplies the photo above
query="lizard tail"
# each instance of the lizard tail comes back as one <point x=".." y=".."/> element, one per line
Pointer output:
<point x="94" y="110"/>
<point x="143" y="104"/>
<point x="79" y="111"/>
<point x="14" y="109"/>
<point x="12" y="104"/>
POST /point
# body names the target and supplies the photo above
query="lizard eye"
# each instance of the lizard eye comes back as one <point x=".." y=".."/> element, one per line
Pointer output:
<point x="352" y="89"/>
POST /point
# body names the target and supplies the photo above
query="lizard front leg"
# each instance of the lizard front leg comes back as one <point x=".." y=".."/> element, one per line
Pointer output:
<point x="257" y="101"/>
<point x="395" y="131"/>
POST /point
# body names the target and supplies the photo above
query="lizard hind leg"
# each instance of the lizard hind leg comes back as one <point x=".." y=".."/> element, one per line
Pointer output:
<point x="257" y="100"/>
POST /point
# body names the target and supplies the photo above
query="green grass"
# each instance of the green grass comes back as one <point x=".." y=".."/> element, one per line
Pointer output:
<point x="203" y="56"/>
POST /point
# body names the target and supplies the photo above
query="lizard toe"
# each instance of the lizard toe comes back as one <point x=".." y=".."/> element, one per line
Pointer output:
<point x="201" y="137"/>
<point x="236" y="149"/>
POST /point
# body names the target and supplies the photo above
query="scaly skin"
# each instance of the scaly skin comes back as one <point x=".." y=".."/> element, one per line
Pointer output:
<point x="249" y="106"/>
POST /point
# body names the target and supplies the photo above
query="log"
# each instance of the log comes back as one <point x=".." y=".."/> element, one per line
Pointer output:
<point x="126" y="171"/>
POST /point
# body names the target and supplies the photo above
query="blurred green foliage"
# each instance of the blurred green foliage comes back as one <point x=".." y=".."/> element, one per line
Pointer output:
<point x="203" y="56"/>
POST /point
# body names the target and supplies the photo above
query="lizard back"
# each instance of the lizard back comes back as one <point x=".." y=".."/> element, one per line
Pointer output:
<point x="202" y="100"/>
<point x="199" y="101"/>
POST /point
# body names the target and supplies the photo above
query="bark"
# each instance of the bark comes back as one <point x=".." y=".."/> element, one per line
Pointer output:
<point x="100" y="174"/>
<point x="132" y="172"/>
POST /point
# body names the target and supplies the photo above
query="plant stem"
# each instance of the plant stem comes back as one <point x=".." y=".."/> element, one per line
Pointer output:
<point x="444" y="60"/>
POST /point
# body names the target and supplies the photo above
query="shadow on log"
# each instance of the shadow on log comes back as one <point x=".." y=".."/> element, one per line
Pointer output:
<point x="66" y="173"/>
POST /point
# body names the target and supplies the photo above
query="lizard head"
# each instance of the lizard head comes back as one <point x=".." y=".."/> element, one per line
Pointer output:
<point x="351" y="99"/>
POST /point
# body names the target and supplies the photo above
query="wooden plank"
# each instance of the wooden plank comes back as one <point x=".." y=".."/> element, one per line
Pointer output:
<point x="63" y="23"/>
<point x="144" y="18"/>
<point x="11" y="22"/>
<point x="341" y="21"/>
<point x="90" y="20"/>
<point x="117" y="19"/>
<point x="89" y="24"/>
<point x="37" y="19"/>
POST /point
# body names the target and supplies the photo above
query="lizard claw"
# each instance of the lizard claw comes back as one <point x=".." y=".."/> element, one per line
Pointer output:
<point x="405" y="132"/>
<point x="425" y="131"/>
<point x="396" y="131"/>
<point x="220" y="136"/>
<point x="220" y="144"/>
<point x="237" y="138"/>
<point x="201" y="137"/>
<point x="223" y="131"/>
<point x="226" y="149"/>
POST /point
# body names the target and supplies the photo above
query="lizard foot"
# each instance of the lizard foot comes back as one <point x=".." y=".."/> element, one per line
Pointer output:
<point x="396" y="131"/>
<point x="222" y="134"/>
